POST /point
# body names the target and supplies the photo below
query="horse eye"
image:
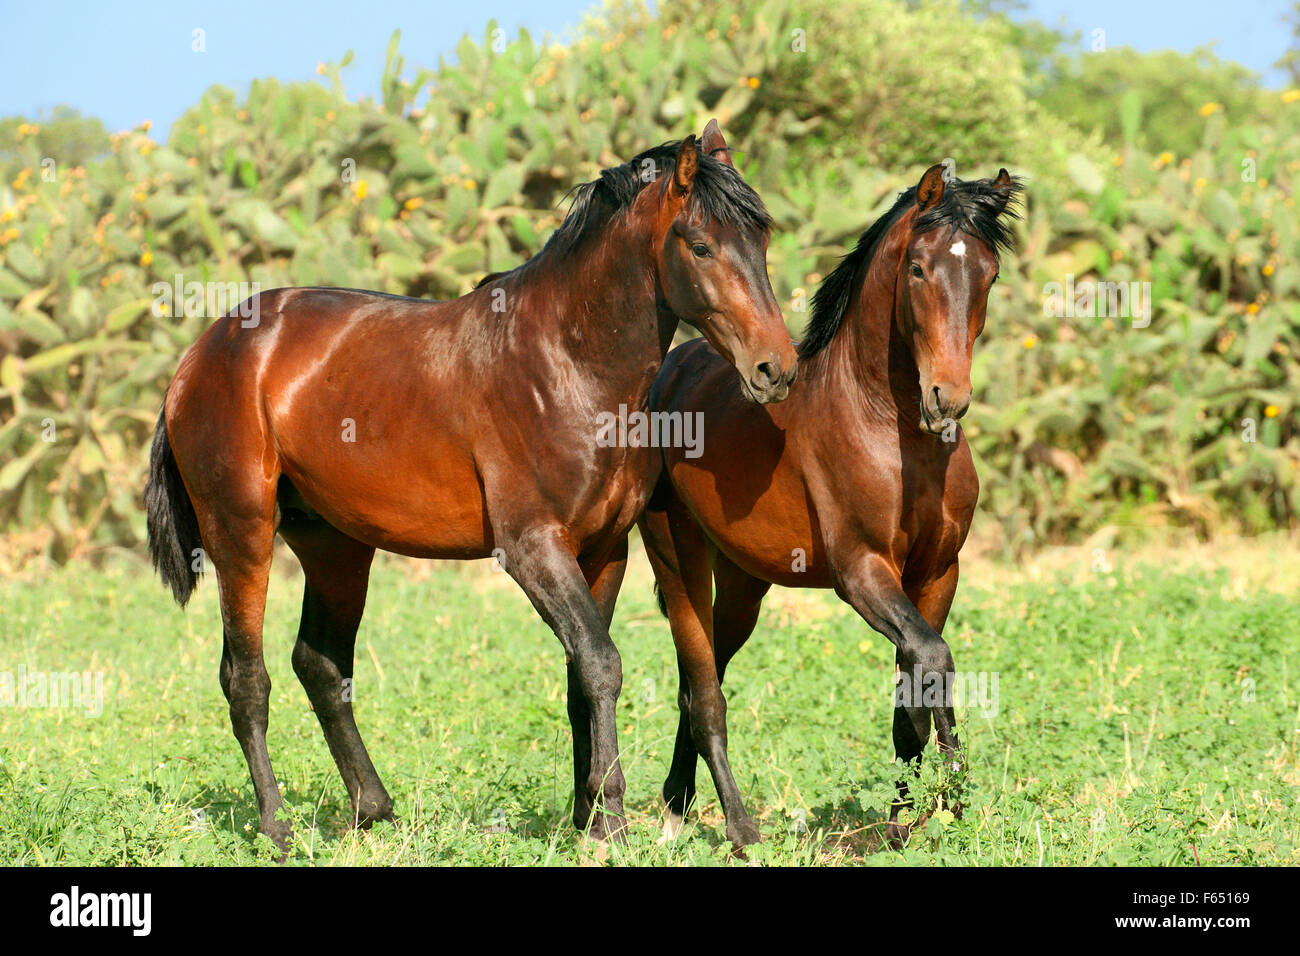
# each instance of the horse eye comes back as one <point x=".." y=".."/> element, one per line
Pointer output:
<point x="916" y="271"/>
<point x="996" y="277"/>
<point x="701" y="250"/>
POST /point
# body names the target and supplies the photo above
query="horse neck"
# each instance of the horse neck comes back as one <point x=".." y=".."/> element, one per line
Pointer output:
<point x="868" y="360"/>
<point x="600" y="306"/>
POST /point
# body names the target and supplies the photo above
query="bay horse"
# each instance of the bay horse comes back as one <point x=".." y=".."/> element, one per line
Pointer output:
<point x="861" y="482"/>
<point x="348" y="421"/>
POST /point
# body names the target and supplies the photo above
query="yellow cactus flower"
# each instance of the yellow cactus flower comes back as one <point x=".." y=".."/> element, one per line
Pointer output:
<point x="1030" y="341"/>
<point x="360" y="188"/>
<point x="1291" y="96"/>
<point x="1209" y="109"/>
<point x="1271" y="411"/>
<point x="146" y="257"/>
<point x="415" y="202"/>
<point x="320" y="69"/>
<point x="1252" y="309"/>
<point x="754" y="82"/>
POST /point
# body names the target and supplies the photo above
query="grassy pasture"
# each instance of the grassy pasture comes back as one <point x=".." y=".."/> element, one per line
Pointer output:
<point x="1147" y="714"/>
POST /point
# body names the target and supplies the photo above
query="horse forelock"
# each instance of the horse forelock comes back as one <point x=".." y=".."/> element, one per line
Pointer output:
<point x="718" y="192"/>
<point x="976" y="207"/>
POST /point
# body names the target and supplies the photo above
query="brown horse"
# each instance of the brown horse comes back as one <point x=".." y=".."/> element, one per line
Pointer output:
<point x="348" y="421"/>
<point x="861" y="482"/>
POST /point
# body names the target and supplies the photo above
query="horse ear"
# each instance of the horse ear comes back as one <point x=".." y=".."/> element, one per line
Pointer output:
<point x="714" y="145"/>
<point x="930" y="189"/>
<point x="688" y="161"/>
<point x="1005" y="187"/>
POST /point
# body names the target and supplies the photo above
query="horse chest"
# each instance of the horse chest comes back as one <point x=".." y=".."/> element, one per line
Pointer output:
<point x="937" y="516"/>
<point x="612" y="491"/>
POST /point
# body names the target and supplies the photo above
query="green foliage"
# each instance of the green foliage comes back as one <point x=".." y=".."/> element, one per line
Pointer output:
<point x="1083" y="422"/>
<point x="1142" y="718"/>
<point x="1085" y="91"/>
<point x="1290" y="60"/>
<point x="65" y="133"/>
<point x="460" y="170"/>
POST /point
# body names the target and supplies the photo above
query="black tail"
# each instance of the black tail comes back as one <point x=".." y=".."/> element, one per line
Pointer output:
<point x="659" y="596"/>
<point x="173" y="526"/>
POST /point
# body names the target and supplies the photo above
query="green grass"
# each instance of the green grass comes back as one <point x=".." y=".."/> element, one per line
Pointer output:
<point x="1145" y="717"/>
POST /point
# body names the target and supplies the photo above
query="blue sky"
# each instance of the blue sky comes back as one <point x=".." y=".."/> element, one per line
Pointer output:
<point x="129" y="62"/>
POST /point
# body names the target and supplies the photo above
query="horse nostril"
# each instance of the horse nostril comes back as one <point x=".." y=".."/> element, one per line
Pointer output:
<point x="766" y="374"/>
<point x="938" y="397"/>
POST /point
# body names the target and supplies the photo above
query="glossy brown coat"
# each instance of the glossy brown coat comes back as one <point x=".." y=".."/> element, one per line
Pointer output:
<point x="348" y="421"/>
<point x="861" y="482"/>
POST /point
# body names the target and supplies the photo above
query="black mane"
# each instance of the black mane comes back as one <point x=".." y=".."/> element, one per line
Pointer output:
<point x="718" y="191"/>
<point x="972" y="206"/>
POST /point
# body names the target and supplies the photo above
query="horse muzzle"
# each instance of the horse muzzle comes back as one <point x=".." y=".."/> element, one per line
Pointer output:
<point x="770" y="381"/>
<point x="942" y="404"/>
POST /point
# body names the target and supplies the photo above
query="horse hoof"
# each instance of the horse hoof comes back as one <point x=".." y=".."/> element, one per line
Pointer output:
<point x="280" y="833"/>
<point x="606" y="828"/>
<point x="593" y="851"/>
<point x="743" y="833"/>
<point x="367" y="815"/>
<point x="896" y="835"/>
<point x="672" y="827"/>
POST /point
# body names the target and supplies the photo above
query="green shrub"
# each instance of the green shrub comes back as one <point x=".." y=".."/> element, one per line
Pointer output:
<point x="460" y="170"/>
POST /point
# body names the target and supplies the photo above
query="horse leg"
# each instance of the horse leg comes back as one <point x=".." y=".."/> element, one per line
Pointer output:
<point x="924" y="659"/>
<point x="337" y="569"/>
<point x="238" y="541"/>
<point x="736" y="605"/>
<point x="660" y="535"/>
<point x="679" y="554"/>
<point x="738" y="598"/>
<point x="604" y="579"/>
<point x="543" y="563"/>
<point x="933" y="601"/>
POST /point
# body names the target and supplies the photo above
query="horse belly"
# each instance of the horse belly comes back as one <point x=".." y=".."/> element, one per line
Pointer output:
<point x="388" y="485"/>
<point x="768" y="533"/>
